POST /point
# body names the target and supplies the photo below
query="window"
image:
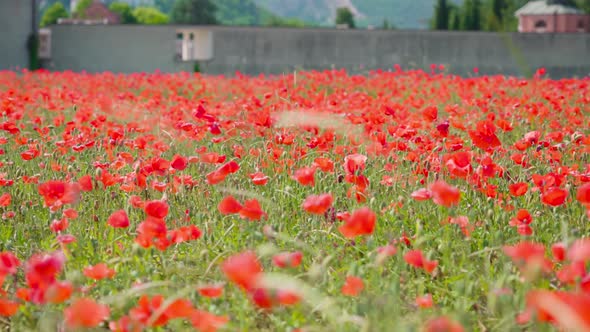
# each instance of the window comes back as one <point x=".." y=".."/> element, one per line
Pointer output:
<point x="540" y="26"/>
<point x="194" y="44"/>
<point x="44" y="44"/>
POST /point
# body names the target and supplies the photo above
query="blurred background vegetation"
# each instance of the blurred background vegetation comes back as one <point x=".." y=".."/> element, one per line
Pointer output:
<point x="484" y="15"/>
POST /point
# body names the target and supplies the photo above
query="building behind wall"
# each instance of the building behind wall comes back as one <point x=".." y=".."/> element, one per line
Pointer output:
<point x="542" y="16"/>
<point x="15" y="28"/>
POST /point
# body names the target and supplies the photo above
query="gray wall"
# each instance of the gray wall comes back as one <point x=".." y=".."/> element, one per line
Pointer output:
<point x="131" y="48"/>
<point x="15" y="27"/>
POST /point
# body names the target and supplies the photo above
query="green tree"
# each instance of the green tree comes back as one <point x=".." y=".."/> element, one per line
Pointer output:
<point x="149" y="15"/>
<point x="441" y="15"/>
<point x="385" y="25"/>
<point x="80" y="10"/>
<point x="345" y="16"/>
<point x="584" y="5"/>
<point x="276" y="21"/>
<point x="124" y="11"/>
<point x="165" y="6"/>
<point x="454" y="18"/>
<point x="476" y="15"/>
<point x="53" y="13"/>
<point x="194" y="12"/>
<point x="471" y="19"/>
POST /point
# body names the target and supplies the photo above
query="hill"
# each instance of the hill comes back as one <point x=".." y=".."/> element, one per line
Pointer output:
<point x="405" y="14"/>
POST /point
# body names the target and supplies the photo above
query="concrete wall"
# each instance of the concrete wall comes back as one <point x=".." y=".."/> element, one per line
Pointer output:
<point x="131" y="48"/>
<point x="15" y="27"/>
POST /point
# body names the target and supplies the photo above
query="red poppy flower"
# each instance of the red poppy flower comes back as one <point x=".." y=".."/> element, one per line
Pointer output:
<point x="157" y="209"/>
<point x="59" y="192"/>
<point x="287" y="259"/>
<point x="422" y="194"/>
<point x="416" y="258"/>
<point x="318" y="204"/>
<point x="459" y="164"/>
<point x="355" y="163"/>
<point x="5" y="199"/>
<point x="99" y="271"/>
<point x="8" y="263"/>
<point x="262" y="298"/>
<point x="549" y="306"/>
<point x="8" y="308"/>
<point x="207" y="322"/>
<point x="305" y="176"/>
<point x="352" y="286"/>
<point x="59" y="225"/>
<point x="229" y="205"/>
<point x="484" y="135"/>
<point x="444" y="194"/>
<point x="583" y="194"/>
<point x="554" y="196"/>
<point x="258" y="178"/>
<point x="579" y="251"/>
<point x="118" y="219"/>
<point x="325" y="164"/>
<point x="222" y="172"/>
<point x="360" y="222"/>
<point x="251" y="210"/>
<point x="559" y="251"/>
<point x="211" y="291"/>
<point x="58" y="292"/>
<point x="518" y="189"/>
<point x="442" y="324"/>
<point x="424" y="301"/>
<point x="243" y="269"/>
<point x="179" y="162"/>
<point x="85" y="312"/>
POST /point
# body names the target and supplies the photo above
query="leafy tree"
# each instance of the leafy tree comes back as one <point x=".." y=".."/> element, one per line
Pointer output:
<point x="471" y="15"/>
<point x="53" y="13"/>
<point x="194" y="12"/>
<point x="276" y="21"/>
<point x="385" y="25"/>
<point x="149" y="15"/>
<point x="476" y="15"/>
<point x="165" y="6"/>
<point x="441" y="15"/>
<point x="80" y="10"/>
<point x="584" y="5"/>
<point x="454" y="18"/>
<point x="124" y="11"/>
<point x="345" y="16"/>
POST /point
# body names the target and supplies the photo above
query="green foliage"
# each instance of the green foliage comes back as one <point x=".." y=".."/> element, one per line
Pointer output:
<point x="194" y="12"/>
<point x="53" y="13"/>
<point x="241" y="12"/>
<point x="149" y="15"/>
<point x="386" y="25"/>
<point x="124" y="11"/>
<point x="33" y="52"/>
<point x="165" y="6"/>
<point x="584" y="5"/>
<point x="276" y="21"/>
<point x="455" y="18"/>
<point x="441" y="15"/>
<point x="345" y="16"/>
<point x="80" y="10"/>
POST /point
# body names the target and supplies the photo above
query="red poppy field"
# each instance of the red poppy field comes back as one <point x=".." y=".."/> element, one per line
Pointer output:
<point x="316" y="201"/>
